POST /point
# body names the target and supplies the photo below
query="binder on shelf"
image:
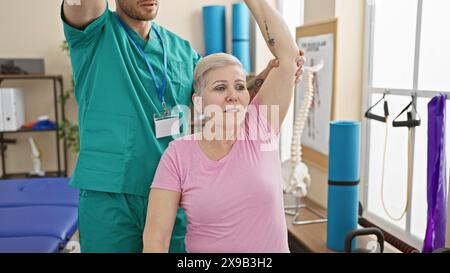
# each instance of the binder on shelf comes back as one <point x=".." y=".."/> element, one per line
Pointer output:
<point x="12" y="108"/>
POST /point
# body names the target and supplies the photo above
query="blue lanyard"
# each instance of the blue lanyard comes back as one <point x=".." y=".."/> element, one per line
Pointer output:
<point x="159" y="89"/>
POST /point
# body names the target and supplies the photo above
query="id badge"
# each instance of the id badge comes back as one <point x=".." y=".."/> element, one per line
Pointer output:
<point x="166" y="125"/>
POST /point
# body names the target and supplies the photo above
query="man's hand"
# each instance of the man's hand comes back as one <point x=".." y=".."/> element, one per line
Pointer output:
<point x="73" y="2"/>
<point x="256" y="83"/>
<point x="300" y="62"/>
<point x="80" y="13"/>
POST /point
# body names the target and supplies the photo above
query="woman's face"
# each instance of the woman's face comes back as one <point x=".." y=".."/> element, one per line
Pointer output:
<point x="226" y="97"/>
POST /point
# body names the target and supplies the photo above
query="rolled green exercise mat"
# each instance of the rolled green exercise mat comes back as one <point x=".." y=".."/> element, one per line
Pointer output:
<point x="214" y="29"/>
<point x="241" y="22"/>
<point x="343" y="180"/>
<point x="241" y="50"/>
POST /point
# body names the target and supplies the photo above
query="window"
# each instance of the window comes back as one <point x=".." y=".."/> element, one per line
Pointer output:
<point x="407" y="55"/>
<point x="293" y="13"/>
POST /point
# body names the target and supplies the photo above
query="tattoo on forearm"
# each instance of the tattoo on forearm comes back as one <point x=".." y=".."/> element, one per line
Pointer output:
<point x="258" y="84"/>
<point x="270" y="40"/>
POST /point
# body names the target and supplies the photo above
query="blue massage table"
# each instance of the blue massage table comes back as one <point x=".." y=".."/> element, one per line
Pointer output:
<point x="34" y="244"/>
<point x="37" y="215"/>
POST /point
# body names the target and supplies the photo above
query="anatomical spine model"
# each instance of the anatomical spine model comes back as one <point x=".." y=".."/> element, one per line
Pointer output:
<point x="295" y="173"/>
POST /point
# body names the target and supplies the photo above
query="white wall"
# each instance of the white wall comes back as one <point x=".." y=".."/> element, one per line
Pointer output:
<point x="319" y="10"/>
<point x="32" y="29"/>
<point x="350" y="52"/>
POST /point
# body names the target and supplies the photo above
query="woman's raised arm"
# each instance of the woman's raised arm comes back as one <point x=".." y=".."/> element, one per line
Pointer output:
<point x="278" y="89"/>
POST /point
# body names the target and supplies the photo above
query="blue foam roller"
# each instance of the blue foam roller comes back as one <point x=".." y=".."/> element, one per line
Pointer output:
<point x="343" y="177"/>
<point x="214" y="29"/>
<point x="241" y="50"/>
<point x="241" y="22"/>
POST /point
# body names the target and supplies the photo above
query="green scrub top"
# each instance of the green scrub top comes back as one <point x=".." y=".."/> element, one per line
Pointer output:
<point x="117" y="100"/>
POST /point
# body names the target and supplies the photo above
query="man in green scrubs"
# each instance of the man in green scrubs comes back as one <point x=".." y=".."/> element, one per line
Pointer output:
<point x="118" y="67"/>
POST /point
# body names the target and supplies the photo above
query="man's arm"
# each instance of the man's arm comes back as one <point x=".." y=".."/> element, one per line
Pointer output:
<point x="255" y="83"/>
<point x="80" y="13"/>
<point x="278" y="89"/>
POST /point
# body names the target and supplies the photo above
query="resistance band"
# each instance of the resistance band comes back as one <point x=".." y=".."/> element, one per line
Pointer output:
<point x="410" y="123"/>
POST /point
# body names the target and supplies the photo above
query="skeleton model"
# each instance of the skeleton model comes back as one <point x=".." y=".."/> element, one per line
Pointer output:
<point x="295" y="172"/>
<point x="36" y="158"/>
<point x="312" y="130"/>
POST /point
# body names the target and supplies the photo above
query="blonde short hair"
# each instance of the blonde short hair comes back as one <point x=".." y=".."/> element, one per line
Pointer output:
<point x="209" y="63"/>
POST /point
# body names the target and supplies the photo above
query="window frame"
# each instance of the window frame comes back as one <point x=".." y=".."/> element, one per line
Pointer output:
<point x="368" y="91"/>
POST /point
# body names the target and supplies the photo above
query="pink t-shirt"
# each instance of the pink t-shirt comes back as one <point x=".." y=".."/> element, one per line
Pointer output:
<point x="233" y="205"/>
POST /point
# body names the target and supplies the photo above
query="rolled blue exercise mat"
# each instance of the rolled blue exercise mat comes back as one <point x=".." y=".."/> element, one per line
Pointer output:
<point x="241" y="50"/>
<point x="241" y="22"/>
<point x="343" y="180"/>
<point x="214" y="29"/>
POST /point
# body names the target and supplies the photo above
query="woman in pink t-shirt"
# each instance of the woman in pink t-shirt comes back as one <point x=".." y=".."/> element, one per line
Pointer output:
<point x="227" y="177"/>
